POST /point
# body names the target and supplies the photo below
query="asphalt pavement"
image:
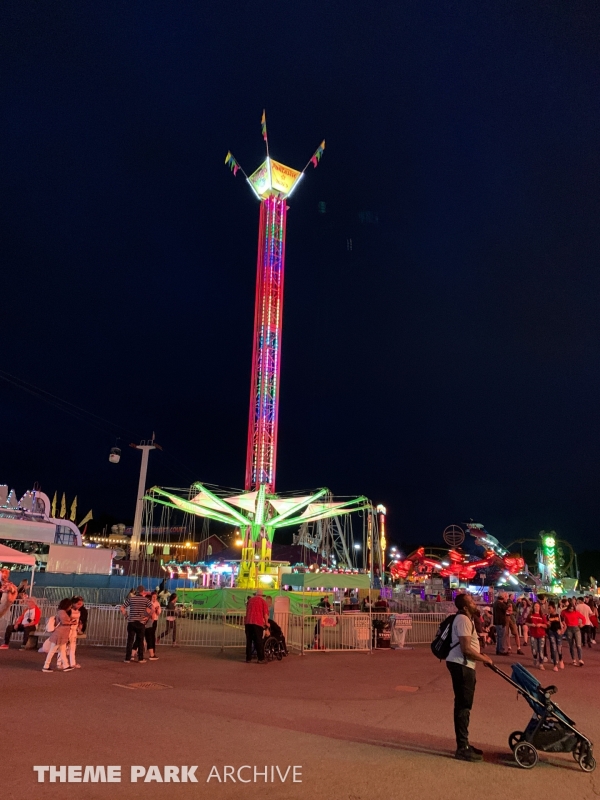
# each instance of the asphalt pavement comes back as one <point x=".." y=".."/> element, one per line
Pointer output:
<point x="355" y="726"/>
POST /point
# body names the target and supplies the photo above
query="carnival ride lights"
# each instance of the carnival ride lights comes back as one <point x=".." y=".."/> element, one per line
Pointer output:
<point x="259" y="512"/>
<point x="382" y="512"/>
<point x="273" y="184"/>
<point x="457" y="564"/>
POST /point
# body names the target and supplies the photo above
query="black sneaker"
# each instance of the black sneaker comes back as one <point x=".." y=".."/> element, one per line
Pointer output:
<point x="468" y="754"/>
<point x="476" y="750"/>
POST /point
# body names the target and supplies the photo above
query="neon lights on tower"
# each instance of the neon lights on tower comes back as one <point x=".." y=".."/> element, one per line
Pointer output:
<point x="549" y="551"/>
<point x="272" y="183"/>
<point x="261" y="454"/>
<point x="257" y="513"/>
<point x="382" y="511"/>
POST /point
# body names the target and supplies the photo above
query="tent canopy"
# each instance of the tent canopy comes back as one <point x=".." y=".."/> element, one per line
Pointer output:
<point x="10" y="556"/>
<point x="325" y="580"/>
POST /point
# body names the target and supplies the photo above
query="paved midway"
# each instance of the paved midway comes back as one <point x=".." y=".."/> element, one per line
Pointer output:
<point x="360" y="726"/>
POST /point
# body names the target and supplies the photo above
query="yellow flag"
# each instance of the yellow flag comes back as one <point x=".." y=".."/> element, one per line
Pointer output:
<point x="87" y="518"/>
<point x="53" y="510"/>
<point x="63" y="507"/>
<point x="73" y="510"/>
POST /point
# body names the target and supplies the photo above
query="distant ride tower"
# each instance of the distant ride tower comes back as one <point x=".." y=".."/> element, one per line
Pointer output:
<point x="258" y="512"/>
<point x="272" y="183"/>
<point x="261" y="454"/>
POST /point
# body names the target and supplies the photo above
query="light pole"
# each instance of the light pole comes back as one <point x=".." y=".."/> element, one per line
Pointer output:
<point x="145" y="447"/>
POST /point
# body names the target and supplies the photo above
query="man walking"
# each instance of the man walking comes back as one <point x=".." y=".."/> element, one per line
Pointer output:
<point x="586" y="630"/>
<point x="257" y="619"/>
<point x="464" y="653"/>
<point x="500" y="607"/>
<point x="137" y="608"/>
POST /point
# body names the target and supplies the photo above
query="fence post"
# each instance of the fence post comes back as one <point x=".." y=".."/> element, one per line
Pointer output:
<point x="371" y="623"/>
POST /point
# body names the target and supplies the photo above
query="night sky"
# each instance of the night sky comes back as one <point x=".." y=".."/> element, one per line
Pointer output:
<point x="441" y="325"/>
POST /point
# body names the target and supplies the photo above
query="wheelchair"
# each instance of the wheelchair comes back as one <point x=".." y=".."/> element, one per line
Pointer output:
<point x="275" y="649"/>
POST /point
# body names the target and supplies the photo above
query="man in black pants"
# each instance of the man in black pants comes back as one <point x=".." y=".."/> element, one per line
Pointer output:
<point x="256" y="620"/>
<point x="464" y="653"/>
<point x="137" y="609"/>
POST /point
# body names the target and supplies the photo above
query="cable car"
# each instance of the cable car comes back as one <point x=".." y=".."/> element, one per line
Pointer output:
<point x="114" y="455"/>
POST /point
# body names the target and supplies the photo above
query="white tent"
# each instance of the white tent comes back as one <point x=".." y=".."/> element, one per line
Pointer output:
<point x="10" y="556"/>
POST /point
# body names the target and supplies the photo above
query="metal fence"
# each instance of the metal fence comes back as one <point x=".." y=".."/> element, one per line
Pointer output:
<point x="329" y="632"/>
<point x="423" y="626"/>
<point x="224" y="629"/>
<point x="91" y="596"/>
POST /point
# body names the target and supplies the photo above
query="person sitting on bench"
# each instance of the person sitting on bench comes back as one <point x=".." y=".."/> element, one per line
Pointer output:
<point x="27" y="622"/>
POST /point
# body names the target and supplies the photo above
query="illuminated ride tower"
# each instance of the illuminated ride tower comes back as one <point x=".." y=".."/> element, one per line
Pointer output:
<point x="273" y="184"/>
<point x="258" y="512"/>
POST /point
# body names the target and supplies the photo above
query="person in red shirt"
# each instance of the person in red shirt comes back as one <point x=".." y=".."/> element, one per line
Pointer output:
<point x="538" y="624"/>
<point x="574" y="621"/>
<point x="257" y="619"/>
<point x="27" y="622"/>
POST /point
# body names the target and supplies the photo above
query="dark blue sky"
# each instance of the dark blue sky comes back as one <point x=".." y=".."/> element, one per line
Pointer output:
<point x="447" y="366"/>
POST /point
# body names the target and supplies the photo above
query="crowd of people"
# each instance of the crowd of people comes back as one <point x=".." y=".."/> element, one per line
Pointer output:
<point x="63" y="629"/>
<point x="545" y="624"/>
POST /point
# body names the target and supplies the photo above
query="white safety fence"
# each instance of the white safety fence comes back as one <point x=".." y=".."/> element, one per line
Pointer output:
<point x="106" y="626"/>
<point x="91" y="596"/>
<point x="329" y="632"/>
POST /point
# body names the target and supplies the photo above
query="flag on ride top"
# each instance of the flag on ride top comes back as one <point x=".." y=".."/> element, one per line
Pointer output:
<point x="263" y="125"/>
<point x="53" y="510"/>
<point x="73" y="510"/>
<point x="63" y="507"/>
<point x="318" y="153"/>
<point x="86" y="519"/>
<point x="232" y="163"/>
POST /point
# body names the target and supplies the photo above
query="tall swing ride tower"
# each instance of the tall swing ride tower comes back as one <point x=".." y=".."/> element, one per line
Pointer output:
<point x="258" y="512"/>
<point x="273" y="184"/>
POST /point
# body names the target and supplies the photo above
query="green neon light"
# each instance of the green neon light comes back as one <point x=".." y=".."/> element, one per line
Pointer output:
<point x="347" y="508"/>
<point x="185" y="505"/>
<point x="277" y="520"/>
<point x="243" y="520"/>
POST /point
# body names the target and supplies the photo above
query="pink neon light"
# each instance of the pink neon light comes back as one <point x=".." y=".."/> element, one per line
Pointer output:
<point x="261" y="457"/>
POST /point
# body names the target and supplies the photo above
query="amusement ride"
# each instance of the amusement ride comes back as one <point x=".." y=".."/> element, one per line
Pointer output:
<point x="259" y="512"/>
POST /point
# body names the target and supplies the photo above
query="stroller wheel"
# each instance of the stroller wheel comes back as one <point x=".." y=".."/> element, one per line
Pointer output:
<point x="279" y="655"/>
<point x="587" y="762"/>
<point x="526" y="755"/>
<point x="514" y="739"/>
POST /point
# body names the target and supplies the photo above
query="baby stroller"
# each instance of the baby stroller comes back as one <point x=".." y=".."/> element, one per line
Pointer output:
<point x="549" y="729"/>
<point x="275" y="646"/>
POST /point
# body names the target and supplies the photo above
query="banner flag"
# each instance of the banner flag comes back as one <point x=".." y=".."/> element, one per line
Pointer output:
<point x="232" y="163"/>
<point x="86" y="519"/>
<point x="73" y="510"/>
<point x="318" y="153"/>
<point x="263" y="125"/>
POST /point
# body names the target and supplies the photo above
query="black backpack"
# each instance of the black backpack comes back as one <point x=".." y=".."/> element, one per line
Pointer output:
<point x="440" y="647"/>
